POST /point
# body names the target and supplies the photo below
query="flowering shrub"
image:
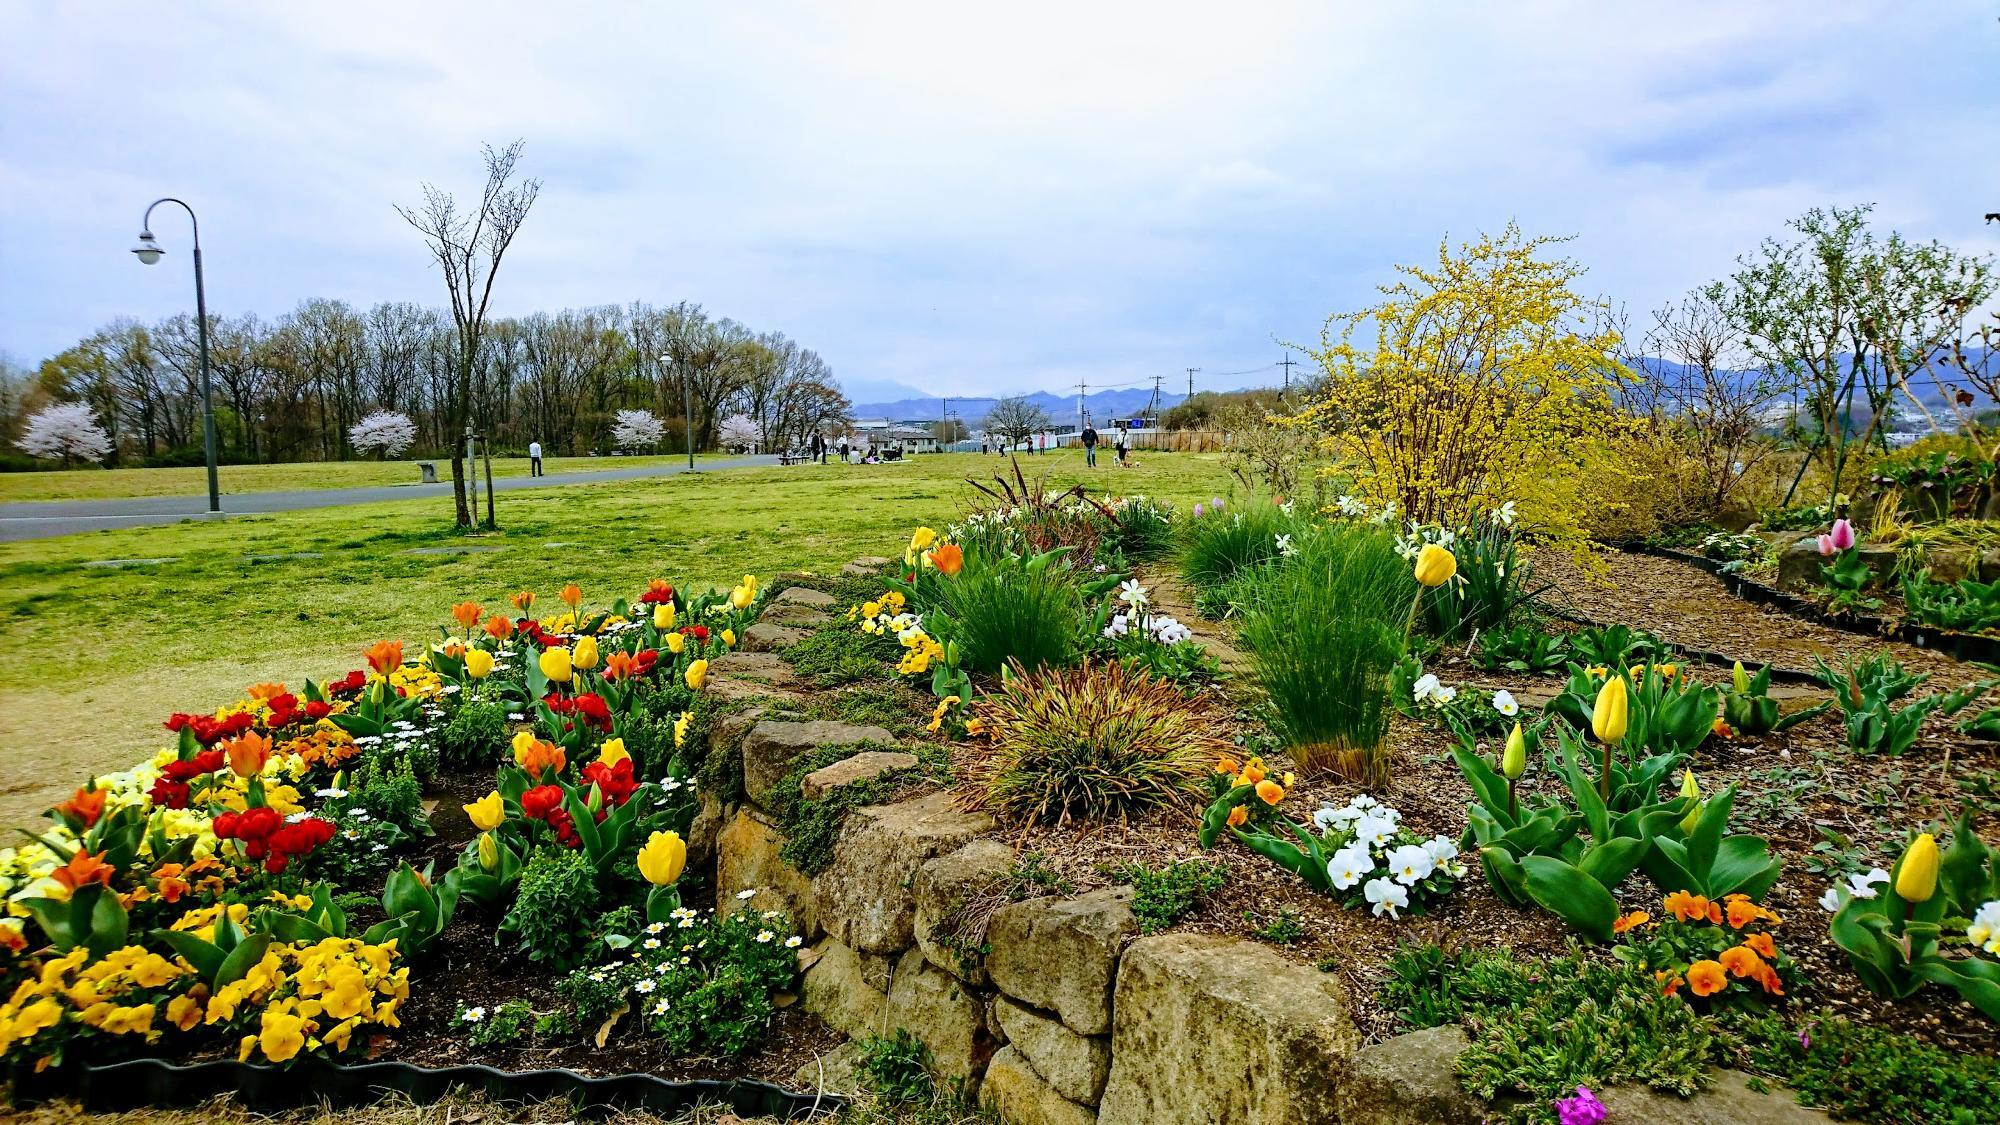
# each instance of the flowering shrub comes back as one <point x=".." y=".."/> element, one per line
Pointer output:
<point x="1153" y="642"/>
<point x="1724" y="951"/>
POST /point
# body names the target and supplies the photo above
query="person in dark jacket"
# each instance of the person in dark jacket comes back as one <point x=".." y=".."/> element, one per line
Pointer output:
<point x="1089" y="445"/>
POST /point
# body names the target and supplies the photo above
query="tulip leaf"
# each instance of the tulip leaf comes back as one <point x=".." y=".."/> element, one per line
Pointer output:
<point x="1570" y="894"/>
<point x="1743" y="865"/>
<point x="1611" y="861"/>
<point x="241" y="959"/>
<point x="1974" y="979"/>
<point x="205" y="956"/>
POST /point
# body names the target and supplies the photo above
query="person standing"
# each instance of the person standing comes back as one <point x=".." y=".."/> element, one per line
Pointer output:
<point x="1090" y="445"/>
<point x="843" y="451"/>
<point x="817" y="449"/>
<point x="1122" y="447"/>
<point x="534" y="458"/>
<point x="1042" y="440"/>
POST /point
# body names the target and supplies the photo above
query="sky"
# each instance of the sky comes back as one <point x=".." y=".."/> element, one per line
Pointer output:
<point x="968" y="199"/>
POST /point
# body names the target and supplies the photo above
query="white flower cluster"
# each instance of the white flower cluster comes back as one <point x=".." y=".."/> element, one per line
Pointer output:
<point x="1373" y="838"/>
<point x="1984" y="931"/>
<point x="1858" y="886"/>
<point x="1158" y="626"/>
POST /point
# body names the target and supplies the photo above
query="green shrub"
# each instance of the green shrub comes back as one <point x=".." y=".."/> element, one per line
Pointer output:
<point x="838" y="653"/>
<point x="1218" y="544"/>
<point x="1966" y="605"/>
<point x="552" y="911"/>
<point x="475" y="737"/>
<point x="1283" y="928"/>
<point x="1089" y="743"/>
<point x="500" y="1026"/>
<point x="1325" y="630"/>
<point x="897" y="1067"/>
<point x="1003" y="609"/>
<point x="1524" y="648"/>
<point x="1541" y="1027"/>
<point x="1493" y="583"/>
<point x="1145" y="528"/>
<point x="1162" y="896"/>
<point x="1869" y="1074"/>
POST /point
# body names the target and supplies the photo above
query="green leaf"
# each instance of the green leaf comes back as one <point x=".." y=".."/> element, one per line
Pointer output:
<point x="1611" y="861"/>
<point x="1570" y="894"/>
<point x="242" y="959"/>
<point x="206" y="958"/>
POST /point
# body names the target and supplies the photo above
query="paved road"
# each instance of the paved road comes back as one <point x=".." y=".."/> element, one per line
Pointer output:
<point x="44" y="519"/>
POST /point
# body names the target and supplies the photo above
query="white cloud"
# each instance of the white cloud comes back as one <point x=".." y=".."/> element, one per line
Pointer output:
<point x="972" y="200"/>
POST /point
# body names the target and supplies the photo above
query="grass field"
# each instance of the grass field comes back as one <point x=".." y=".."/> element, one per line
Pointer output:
<point x="110" y="484"/>
<point x="100" y="655"/>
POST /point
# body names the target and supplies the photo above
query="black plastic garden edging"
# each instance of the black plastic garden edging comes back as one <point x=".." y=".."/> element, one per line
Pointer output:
<point x="142" y="1083"/>
<point x="1971" y="647"/>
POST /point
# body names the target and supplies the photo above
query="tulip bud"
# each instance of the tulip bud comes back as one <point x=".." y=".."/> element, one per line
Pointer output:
<point x="1435" y="565"/>
<point x="1842" y="535"/>
<point x="557" y="666"/>
<point x="1917" y="875"/>
<point x="489" y="853"/>
<point x="1740" y="678"/>
<point x="585" y="654"/>
<point x="478" y="663"/>
<point x="1691" y="791"/>
<point x="1514" y="759"/>
<point x="1608" y="717"/>
<point x="663" y="616"/>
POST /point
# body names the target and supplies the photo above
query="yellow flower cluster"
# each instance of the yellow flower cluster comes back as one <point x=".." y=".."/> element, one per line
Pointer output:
<point x="312" y="996"/>
<point x="66" y="990"/>
<point x="921" y="648"/>
<point x="419" y="682"/>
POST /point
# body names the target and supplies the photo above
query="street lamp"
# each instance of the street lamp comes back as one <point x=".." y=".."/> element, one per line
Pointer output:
<point x="149" y="252"/>
<point x="687" y="412"/>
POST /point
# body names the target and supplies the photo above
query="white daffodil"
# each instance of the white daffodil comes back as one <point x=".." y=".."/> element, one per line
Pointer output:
<point x="1132" y="594"/>
<point x="1386" y="896"/>
<point x="1285" y="547"/>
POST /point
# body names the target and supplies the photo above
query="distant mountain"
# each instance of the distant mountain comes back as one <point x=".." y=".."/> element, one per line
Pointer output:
<point x="1062" y="408"/>
<point x="875" y="390"/>
<point x="1930" y="385"/>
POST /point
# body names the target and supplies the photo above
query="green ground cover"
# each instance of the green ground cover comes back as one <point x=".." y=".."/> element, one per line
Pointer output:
<point x="297" y="594"/>
<point x="111" y="484"/>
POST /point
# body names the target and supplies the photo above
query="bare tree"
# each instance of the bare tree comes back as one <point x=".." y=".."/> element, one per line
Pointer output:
<point x="1015" y="419"/>
<point x="468" y="247"/>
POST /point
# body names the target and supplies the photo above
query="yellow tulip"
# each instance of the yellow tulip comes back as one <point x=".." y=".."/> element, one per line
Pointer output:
<point x="478" y="663"/>
<point x="1608" y="717"/>
<point x="750" y="583"/>
<point x="489" y="853"/>
<point x="612" y="752"/>
<point x="1740" y="678"/>
<point x="1692" y="791"/>
<point x="675" y="642"/>
<point x="697" y="675"/>
<point x="585" y="655"/>
<point x="1435" y="565"/>
<point x="524" y="741"/>
<point x="729" y="638"/>
<point x="681" y="728"/>
<point x="922" y="540"/>
<point x="663" y="858"/>
<point x="1917" y="875"/>
<point x="488" y="812"/>
<point x="742" y="596"/>
<point x="1514" y="759"/>
<point x="556" y="666"/>
<point x="663" y="616"/>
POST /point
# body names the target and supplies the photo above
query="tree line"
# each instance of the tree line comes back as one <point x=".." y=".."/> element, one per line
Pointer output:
<point x="292" y="388"/>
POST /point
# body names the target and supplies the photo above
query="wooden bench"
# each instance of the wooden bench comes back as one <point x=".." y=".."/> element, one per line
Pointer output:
<point x="792" y="457"/>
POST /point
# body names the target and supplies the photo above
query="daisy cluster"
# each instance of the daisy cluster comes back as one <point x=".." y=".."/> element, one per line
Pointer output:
<point x="1380" y="862"/>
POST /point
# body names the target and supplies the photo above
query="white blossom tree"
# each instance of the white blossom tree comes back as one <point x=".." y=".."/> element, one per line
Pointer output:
<point x="385" y="431"/>
<point x="738" y="431"/>
<point x="66" y="430"/>
<point x="637" y="429"/>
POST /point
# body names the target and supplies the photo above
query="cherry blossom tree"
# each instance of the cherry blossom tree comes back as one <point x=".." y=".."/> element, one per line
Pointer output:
<point x="637" y="429"/>
<point x="385" y="430"/>
<point x="66" y="430"/>
<point x="738" y="431"/>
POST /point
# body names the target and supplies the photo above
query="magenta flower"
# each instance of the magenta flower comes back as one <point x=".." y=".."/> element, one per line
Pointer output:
<point x="1826" y="544"/>
<point x="1216" y="503"/>
<point x="1843" y="535"/>
<point x="1582" y="1108"/>
<point x="1197" y="509"/>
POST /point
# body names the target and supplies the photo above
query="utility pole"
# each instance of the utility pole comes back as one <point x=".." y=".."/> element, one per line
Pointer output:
<point x="1153" y="407"/>
<point x="1191" y="372"/>
<point x="1081" y="418"/>
<point x="1287" y="365"/>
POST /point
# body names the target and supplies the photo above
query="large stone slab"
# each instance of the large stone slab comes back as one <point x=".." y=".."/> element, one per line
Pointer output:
<point x="864" y="566"/>
<point x="946" y="1017"/>
<point x="1014" y="1093"/>
<point x="748" y="859"/>
<point x="1213" y="1028"/>
<point x="1074" y="1065"/>
<point x="756" y="667"/>
<point x="1410" y="1080"/>
<point x="864" y="897"/>
<point x="1729" y="1100"/>
<point x="1799" y="563"/>
<point x="805" y="596"/>
<point x="793" y="613"/>
<point x="771" y="636"/>
<point x="770" y="747"/>
<point x="836" y="989"/>
<point x="943" y="886"/>
<point x="865" y="766"/>
<point x="1062" y="954"/>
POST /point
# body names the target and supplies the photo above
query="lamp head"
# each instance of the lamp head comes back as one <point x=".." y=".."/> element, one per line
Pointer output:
<point x="148" y="250"/>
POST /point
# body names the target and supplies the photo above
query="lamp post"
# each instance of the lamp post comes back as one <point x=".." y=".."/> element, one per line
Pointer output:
<point x="148" y="252"/>
<point x="687" y="412"/>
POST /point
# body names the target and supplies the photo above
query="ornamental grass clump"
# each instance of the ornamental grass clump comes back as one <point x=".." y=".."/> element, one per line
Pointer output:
<point x="1088" y="743"/>
<point x="1325" y="629"/>
<point x="1219" y="542"/>
<point x="1007" y="609"/>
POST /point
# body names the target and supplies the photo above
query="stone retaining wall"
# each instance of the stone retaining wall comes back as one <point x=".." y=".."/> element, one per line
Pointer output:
<point x="1064" y="1014"/>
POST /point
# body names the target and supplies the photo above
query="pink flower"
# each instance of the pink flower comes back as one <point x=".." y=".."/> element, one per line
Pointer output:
<point x="1826" y="544"/>
<point x="1843" y="535"/>
<point x="1581" y="1109"/>
<point x="1197" y="509"/>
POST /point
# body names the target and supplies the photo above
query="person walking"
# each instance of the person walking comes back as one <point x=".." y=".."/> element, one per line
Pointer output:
<point x="818" y="449"/>
<point x="1122" y="447"/>
<point x="534" y="458"/>
<point x="843" y="451"/>
<point x="1090" y="445"/>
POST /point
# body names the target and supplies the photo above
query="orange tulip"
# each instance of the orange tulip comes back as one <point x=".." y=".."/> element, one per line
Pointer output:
<point x="538" y="757"/>
<point x="247" y="753"/>
<point x="523" y="600"/>
<point x="384" y="656"/>
<point x="466" y="614"/>
<point x="573" y="595"/>
<point x="82" y="870"/>
<point x="659" y="586"/>
<point x="499" y="628"/>
<point x="262" y="692"/>
<point x="1706" y="978"/>
<point x="949" y="559"/>
<point x="86" y="806"/>
<point x="619" y="665"/>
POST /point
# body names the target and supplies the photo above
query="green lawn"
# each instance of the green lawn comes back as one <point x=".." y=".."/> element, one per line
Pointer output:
<point x="108" y="484"/>
<point x="101" y="655"/>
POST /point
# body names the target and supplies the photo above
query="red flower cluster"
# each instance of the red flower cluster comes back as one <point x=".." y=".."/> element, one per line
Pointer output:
<point x="657" y="591"/>
<point x="589" y="706"/>
<point x="209" y="730"/>
<point x="171" y="790"/>
<point x="615" y="783"/>
<point x="284" y="710"/>
<point x="698" y="632"/>
<point x="266" y="835"/>
<point x="530" y="629"/>
<point x="350" y="684"/>
<point x="544" y="803"/>
<point x="318" y="709"/>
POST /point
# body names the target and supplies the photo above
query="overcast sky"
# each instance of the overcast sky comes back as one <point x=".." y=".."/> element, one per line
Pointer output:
<point x="968" y="203"/>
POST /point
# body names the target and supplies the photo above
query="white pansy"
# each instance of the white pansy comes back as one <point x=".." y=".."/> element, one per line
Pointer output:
<point x="1984" y="931"/>
<point x="1863" y="886"/>
<point x="1443" y="849"/>
<point x="1503" y="702"/>
<point x="1348" y="867"/>
<point x="1411" y="864"/>
<point x="1426" y="686"/>
<point x="1386" y="896"/>
<point x="1375" y="830"/>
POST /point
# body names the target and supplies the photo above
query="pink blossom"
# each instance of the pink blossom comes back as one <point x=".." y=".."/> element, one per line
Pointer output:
<point x="1843" y="535"/>
<point x="1581" y="1109"/>
<point x="1826" y="544"/>
<point x="1197" y="509"/>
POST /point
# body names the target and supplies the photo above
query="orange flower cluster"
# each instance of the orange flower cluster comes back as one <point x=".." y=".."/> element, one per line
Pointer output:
<point x="1752" y="959"/>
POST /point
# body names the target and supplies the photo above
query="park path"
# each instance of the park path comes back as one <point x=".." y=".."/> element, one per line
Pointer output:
<point x="47" y="518"/>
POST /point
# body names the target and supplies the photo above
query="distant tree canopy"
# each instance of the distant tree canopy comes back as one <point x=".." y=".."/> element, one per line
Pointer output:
<point x="1015" y="419"/>
<point x="1207" y="410"/>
